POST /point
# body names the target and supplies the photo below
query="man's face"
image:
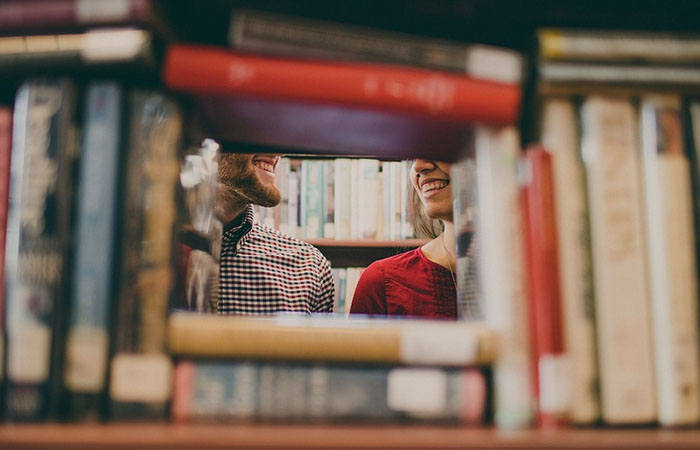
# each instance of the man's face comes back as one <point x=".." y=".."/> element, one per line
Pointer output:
<point x="251" y="177"/>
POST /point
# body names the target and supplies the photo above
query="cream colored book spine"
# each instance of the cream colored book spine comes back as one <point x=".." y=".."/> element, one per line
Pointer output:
<point x="503" y="274"/>
<point x="560" y="137"/>
<point x="623" y="321"/>
<point x="672" y="266"/>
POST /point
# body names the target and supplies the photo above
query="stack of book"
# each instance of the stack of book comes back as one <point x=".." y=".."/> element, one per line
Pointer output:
<point x="90" y="212"/>
<point x="313" y="369"/>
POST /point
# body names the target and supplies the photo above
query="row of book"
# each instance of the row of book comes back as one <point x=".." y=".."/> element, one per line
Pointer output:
<point x="342" y="198"/>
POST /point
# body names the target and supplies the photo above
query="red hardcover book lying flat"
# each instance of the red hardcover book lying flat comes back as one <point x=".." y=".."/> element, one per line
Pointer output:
<point x="425" y="93"/>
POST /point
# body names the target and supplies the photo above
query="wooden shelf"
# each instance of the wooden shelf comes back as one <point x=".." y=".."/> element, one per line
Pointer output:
<point x="360" y="253"/>
<point x="216" y="436"/>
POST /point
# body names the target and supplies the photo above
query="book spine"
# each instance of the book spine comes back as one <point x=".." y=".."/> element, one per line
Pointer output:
<point x="546" y="309"/>
<point x="38" y="247"/>
<point x="560" y="137"/>
<point x="556" y="72"/>
<point x="368" y="186"/>
<point x="407" y="231"/>
<point x="503" y="273"/>
<point x="87" y="342"/>
<point x="329" y="199"/>
<point x="312" y="187"/>
<point x="277" y="35"/>
<point x="22" y="14"/>
<point x="672" y="270"/>
<point x="355" y="207"/>
<point x="283" y="170"/>
<point x="140" y="369"/>
<point x="5" y="157"/>
<point x="331" y="339"/>
<point x="342" y="188"/>
<point x="440" y="95"/>
<point x="556" y="44"/>
<point x="294" y="214"/>
<point x="320" y="392"/>
<point x="611" y="158"/>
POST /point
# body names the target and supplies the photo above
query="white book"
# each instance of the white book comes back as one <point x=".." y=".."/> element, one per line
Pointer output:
<point x="294" y="205"/>
<point x="329" y="199"/>
<point x="407" y="231"/>
<point x="379" y="195"/>
<point x="396" y="190"/>
<point x="503" y="274"/>
<point x="355" y="199"/>
<point x="343" y="185"/>
<point x="623" y="323"/>
<point x="386" y="200"/>
<point x="560" y="137"/>
<point x="282" y="182"/>
<point x="368" y="205"/>
<point x="672" y="266"/>
<point x="312" y="197"/>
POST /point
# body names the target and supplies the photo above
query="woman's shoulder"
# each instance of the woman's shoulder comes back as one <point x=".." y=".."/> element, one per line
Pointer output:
<point x="404" y="259"/>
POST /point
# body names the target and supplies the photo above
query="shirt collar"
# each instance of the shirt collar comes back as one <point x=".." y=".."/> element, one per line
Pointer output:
<point x="234" y="234"/>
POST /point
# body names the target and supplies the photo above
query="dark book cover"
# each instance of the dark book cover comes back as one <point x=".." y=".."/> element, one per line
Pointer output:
<point x="140" y="369"/>
<point x="38" y="254"/>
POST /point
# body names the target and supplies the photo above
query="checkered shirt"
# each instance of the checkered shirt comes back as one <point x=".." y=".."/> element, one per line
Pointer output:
<point x="264" y="271"/>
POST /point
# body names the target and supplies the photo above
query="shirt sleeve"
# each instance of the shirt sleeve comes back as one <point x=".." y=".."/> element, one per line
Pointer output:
<point x="370" y="295"/>
<point x="324" y="301"/>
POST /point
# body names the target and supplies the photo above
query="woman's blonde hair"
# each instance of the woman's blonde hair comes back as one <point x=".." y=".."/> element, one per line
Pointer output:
<point x="423" y="226"/>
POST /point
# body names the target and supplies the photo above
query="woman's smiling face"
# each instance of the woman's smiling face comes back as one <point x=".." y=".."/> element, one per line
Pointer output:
<point x="431" y="180"/>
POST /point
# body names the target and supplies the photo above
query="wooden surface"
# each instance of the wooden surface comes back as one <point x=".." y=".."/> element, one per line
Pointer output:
<point x="238" y="436"/>
<point x="360" y="253"/>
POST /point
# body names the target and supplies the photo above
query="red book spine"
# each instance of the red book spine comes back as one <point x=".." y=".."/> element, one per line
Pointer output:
<point x="5" y="152"/>
<point x="545" y="302"/>
<point x="442" y="95"/>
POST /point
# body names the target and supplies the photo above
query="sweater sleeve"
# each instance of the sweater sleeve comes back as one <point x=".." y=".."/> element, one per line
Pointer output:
<point x="370" y="295"/>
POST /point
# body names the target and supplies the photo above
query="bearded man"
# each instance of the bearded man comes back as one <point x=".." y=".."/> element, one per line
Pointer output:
<point x="263" y="271"/>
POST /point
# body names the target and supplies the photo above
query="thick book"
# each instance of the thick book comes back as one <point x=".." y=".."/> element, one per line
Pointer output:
<point x="276" y="34"/>
<point x="672" y="270"/>
<point x="618" y="46"/>
<point x="343" y="204"/>
<point x="329" y="338"/>
<point x="27" y="16"/>
<point x="546" y="318"/>
<point x="318" y="392"/>
<point x="87" y="339"/>
<point x="5" y="155"/>
<point x="611" y="155"/>
<point x="38" y="247"/>
<point x="140" y="368"/>
<point x="198" y="69"/>
<point x="560" y="136"/>
<point x="326" y="129"/>
<point x="367" y="198"/>
<point x="110" y="48"/>
<point x="503" y="274"/>
<point x="312" y="198"/>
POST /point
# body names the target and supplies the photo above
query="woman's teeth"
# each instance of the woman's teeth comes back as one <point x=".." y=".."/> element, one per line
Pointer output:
<point x="434" y="185"/>
<point x="264" y="166"/>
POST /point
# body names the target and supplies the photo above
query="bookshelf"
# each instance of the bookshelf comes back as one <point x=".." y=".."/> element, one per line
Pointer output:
<point x="493" y="21"/>
<point x="360" y="436"/>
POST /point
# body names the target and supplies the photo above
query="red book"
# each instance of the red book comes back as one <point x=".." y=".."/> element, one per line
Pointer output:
<point x="5" y="151"/>
<point x="425" y="93"/>
<point x="545" y="302"/>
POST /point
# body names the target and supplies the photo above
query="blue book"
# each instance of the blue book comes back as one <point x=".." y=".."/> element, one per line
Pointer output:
<point x="87" y="343"/>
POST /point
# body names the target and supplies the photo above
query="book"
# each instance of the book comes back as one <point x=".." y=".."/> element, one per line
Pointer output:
<point x="277" y="34"/>
<point x="328" y="338"/>
<point x="672" y="270"/>
<point x="618" y="46"/>
<point x="87" y="339"/>
<point x="38" y="247"/>
<point x="322" y="128"/>
<point x="30" y="15"/>
<point x="140" y="367"/>
<point x="312" y="198"/>
<point x="560" y="137"/>
<point x="5" y="155"/>
<point x="367" y="200"/>
<point x="317" y="392"/>
<point x="100" y="48"/>
<point x="197" y="69"/>
<point x="342" y="197"/>
<point x="503" y="274"/>
<point x="550" y="365"/>
<point x="611" y="155"/>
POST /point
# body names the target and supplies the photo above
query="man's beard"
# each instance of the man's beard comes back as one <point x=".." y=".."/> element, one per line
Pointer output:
<point x="245" y="184"/>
